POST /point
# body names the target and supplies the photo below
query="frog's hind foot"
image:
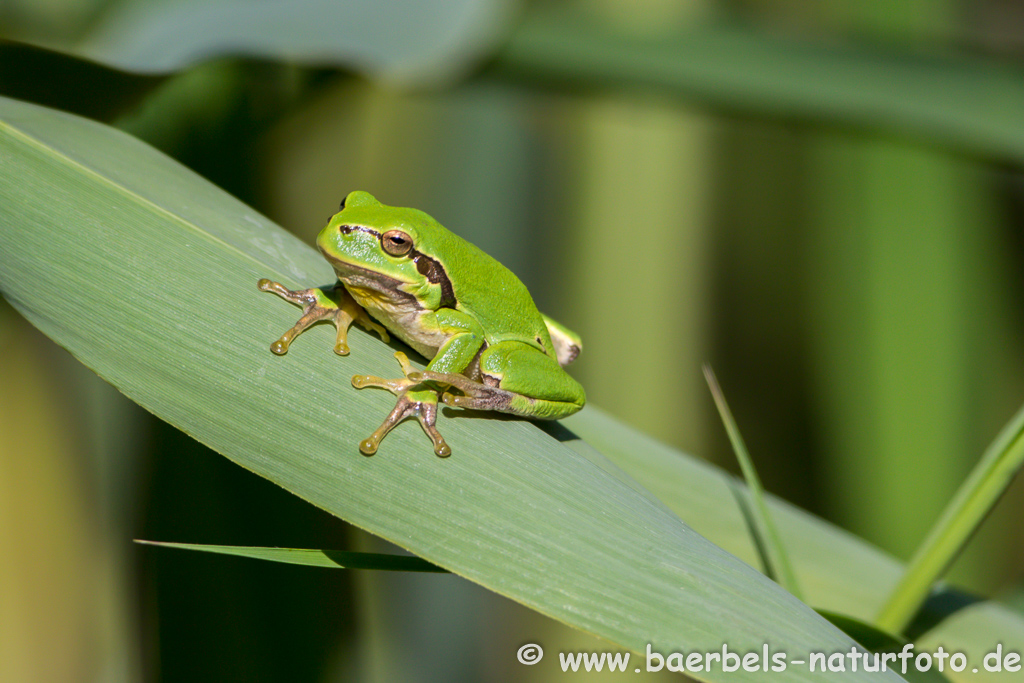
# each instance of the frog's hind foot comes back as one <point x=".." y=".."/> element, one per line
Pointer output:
<point x="424" y="411"/>
<point x="421" y="404"/>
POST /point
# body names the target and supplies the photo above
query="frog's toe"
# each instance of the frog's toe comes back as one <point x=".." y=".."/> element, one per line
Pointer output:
<point x="369" y="445"/>
<point x="428" y="420"/>
<point x="395" y="386"/>
<point x="299" y="297"/>
<point x="454" y="400"/>
<point x="268" y="285"/>
<point x="441" y="449"/>
<point x="280" y="347"/>
<point x="367" y="322"/>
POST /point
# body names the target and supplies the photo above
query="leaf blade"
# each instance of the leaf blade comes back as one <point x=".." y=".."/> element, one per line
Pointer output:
<point x="774" y="556"/>
<point x="311" y="557"/>
<point x="966" y="511"/>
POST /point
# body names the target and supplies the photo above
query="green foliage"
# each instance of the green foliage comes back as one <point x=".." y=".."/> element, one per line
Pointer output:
<point x="146" y="273"/>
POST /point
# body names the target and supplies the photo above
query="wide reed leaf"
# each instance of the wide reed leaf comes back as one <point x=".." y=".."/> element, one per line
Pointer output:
<point x="390" y="38"/>
<point x="147" y="273"/>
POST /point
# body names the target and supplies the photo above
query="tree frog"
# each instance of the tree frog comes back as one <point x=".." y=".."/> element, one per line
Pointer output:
<point x="402" y="272"/>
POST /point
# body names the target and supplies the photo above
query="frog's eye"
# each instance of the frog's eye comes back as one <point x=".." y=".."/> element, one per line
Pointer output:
<point x="396" y="242"/>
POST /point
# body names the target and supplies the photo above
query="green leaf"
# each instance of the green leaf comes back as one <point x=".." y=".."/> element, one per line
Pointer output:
<point x="838" y="572"/>
<point x="966" y="511"/>
<point x="961" y="100"/>
<point x="773" y="554"/>
<point x="333" y="559"/>
<point x="391" y="38"/>
<point x="147" y="274"/>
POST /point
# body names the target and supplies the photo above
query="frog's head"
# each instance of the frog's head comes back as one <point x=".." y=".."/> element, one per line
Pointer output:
<point x="388" y="249"/>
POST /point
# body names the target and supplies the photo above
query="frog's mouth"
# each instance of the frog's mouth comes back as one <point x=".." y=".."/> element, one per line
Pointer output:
<point x="366" y="279"/>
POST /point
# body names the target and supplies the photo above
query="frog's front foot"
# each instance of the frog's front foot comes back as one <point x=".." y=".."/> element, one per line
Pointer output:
<point x="421" y="404"/>
<point x="321" y="303"/>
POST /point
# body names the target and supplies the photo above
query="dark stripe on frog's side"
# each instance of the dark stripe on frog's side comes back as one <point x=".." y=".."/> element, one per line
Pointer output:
<point x="426" y="265"/>
<point x="434" y="272"/>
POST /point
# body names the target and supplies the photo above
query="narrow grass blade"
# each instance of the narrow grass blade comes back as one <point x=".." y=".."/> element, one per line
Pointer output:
<point x="773" y="555"/>
<point x="962" y="517"/>
<point x="333" y="559"/>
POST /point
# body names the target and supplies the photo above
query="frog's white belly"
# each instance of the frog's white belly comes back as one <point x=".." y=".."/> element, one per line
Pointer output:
<point x="404" y="318"/>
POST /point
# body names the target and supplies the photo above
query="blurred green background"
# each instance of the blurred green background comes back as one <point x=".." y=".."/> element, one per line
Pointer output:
<point x="845" y="256"/>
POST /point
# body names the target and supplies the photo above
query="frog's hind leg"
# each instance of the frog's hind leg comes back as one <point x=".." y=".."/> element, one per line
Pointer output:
<point x="475" y="395"/>
<point x="518" y="379"/>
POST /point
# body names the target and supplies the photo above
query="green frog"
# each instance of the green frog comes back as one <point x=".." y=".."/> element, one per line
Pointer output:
<point x="400" y="271"/>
